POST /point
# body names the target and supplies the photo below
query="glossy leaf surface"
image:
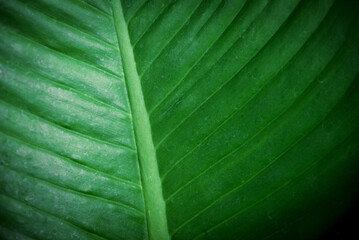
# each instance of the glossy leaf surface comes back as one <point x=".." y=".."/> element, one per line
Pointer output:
<point x="177" y="119"/>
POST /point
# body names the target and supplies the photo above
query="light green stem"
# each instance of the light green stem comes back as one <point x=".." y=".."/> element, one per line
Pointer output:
<point x="152" y="188"/>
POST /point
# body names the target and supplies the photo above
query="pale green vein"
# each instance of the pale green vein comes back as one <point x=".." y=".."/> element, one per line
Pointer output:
<point x="70" y="160"/>
<point x="59" y="53"/>
<point x="149" y="26"/>
<point x="250" y="99"/>
<point x="65" y="25"/>
<point x="142" y="6"/>
<point x="76" y="192"/>
<point x="63" y="86"/>
<point x="291" y="181"/>
<point x="266" y="126"/>
<point x="49" y="215"/>
<point x="182" y="79"/>
<point x="152" y="189"/>
<point x="147" y="68"/>
<point x="56" y="125"/>
<point x="221" y="86"/>
<point x="271" y="162"/>
<point x="96" y="9"/>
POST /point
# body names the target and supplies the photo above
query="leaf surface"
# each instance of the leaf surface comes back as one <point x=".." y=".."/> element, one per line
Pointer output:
<point x="177" y="119"/>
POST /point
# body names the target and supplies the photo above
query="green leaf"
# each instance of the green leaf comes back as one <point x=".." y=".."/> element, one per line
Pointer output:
<point x="182" y="119"/>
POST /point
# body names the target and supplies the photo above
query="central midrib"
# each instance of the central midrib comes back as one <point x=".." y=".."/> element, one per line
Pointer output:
<point x="152" y="190"/>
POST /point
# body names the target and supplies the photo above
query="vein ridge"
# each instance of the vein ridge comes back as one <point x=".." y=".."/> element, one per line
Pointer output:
<point x="152" y="188"/>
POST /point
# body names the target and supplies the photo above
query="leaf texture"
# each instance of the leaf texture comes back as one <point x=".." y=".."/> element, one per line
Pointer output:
<point x="68" y="155"/>
<point x="184" y="119"/>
